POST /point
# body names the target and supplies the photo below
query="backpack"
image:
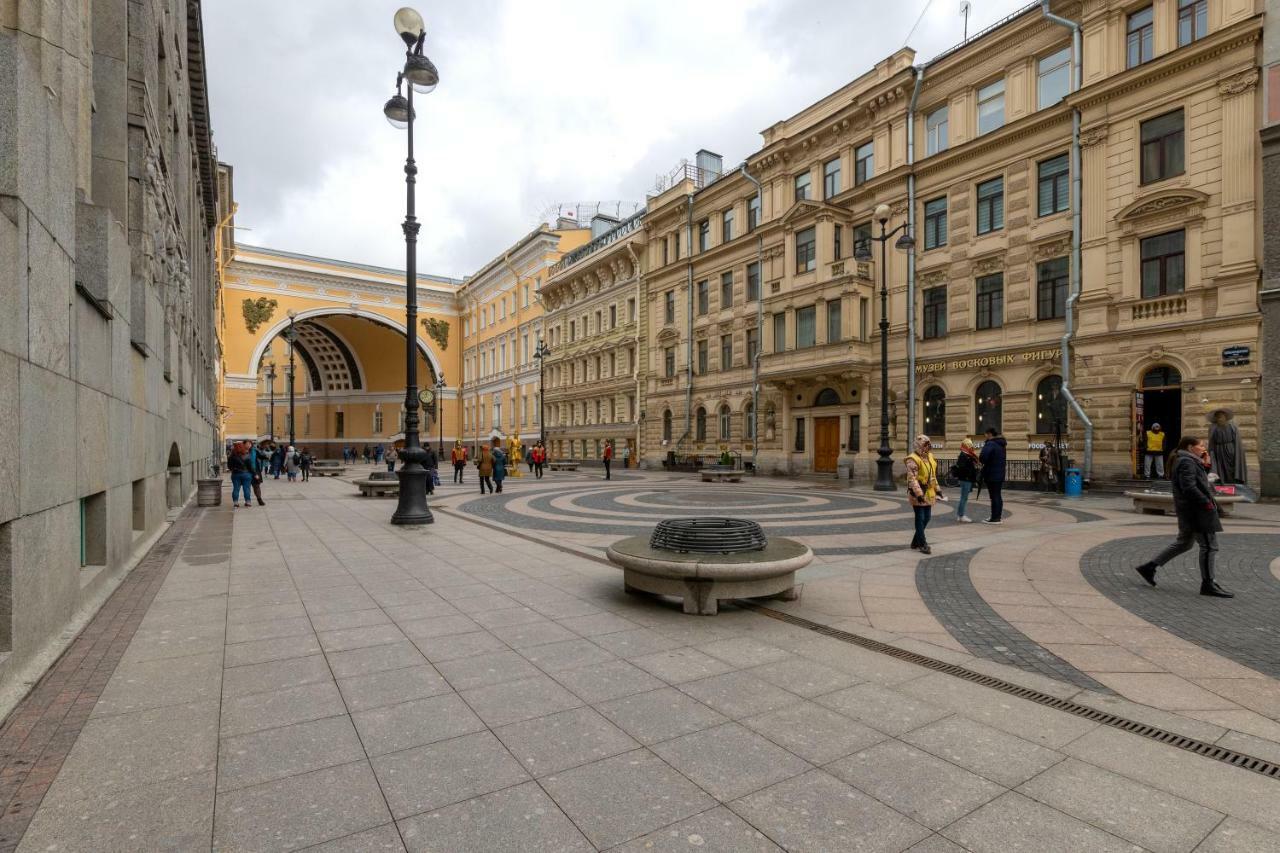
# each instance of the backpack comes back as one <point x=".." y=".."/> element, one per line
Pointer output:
<point x="297" y="459"/>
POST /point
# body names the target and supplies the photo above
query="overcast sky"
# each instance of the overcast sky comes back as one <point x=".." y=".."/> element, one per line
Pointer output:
<point x="557" y="101"/>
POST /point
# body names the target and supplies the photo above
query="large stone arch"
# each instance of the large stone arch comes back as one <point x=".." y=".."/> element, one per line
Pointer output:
<point x="255" y="359"/>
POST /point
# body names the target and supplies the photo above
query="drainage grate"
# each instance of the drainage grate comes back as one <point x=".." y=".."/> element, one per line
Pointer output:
<point x="1208" y="750"/>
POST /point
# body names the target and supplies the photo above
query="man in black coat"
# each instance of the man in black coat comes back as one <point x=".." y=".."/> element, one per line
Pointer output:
<point x="1198" y="520"/>
<point x="992" y="458"/>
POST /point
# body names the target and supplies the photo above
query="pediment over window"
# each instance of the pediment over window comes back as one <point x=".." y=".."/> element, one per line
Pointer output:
<point x="808" y="208"/>
<point x="667" y="334"/>
<point x="1175" y="201"/>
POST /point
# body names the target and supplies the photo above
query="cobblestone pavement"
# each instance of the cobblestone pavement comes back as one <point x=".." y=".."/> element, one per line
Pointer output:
<point x="331" y="682"/>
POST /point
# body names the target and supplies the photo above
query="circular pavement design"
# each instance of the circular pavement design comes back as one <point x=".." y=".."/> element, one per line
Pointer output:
<point x="1245" y="629"/>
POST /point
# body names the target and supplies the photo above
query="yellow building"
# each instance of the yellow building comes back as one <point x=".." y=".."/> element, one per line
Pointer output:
<point x="1169" y="113"/>
<point x="349" y="352"/>
<point x="502" y="322"/>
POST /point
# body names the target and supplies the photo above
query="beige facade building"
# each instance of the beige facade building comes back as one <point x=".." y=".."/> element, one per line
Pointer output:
<point x="596" y="333"/>
<point x="1170" y="241"/>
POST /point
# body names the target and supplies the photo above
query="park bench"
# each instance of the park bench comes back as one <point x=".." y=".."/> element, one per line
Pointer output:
<point x="327" y="468"/>
<point x="1161" y="503"/>
<point x="563" y="466"/>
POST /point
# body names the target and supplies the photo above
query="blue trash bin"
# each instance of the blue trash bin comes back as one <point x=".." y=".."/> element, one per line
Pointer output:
<point x="1074" y="484"/>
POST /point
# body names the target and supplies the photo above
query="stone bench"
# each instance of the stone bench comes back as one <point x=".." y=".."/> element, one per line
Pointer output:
<point x="327" y="468"/>
<point x="1161" y="503"/>
<point x="702" y="580"/>
<point x="378" y="487"/>
<point x="384" y="475"/>
<point x="563" y="466"/>
<point x="721" y="474"/>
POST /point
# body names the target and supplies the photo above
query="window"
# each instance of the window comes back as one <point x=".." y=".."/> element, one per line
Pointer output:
<point x="665" y="253"/>
<point x="749" y="421"/>
<point x="837" y="232"/>
<point x="573" y="329"/>
<point x="526" y="296"/>
<point x="935" y="223"/>
<point x="989" y="408"/>
<point x="753" y="212"/>
<point x="827" y="397"/>
<point x="935" y="131"/>
<point x="599" y="322"/>
<point x="726" y="226"/>
<point x="669" y="362"/>
<point x="613" y="316"/>
<point x="779" y="332"/>
<point x="669" y="307"/>
<point x="833" y="321"/>
<point x="802" y="186"/>
<point x="726" y="352"/>
<point x="1193" y="20"/>
<point x="1055" y="78"/>
<point x="753" y="345"/>
<point x="1162" y="147"/>
<point x="991" y="301"/>
<point x="1052" y="192"/>
<point x="854" y="444"/>
<point x="753" y="282"/>
<point x="1051" y="406"/>
<point x="377" y="422"/>
<point x="704" y="298"/>
<point x="726" y="422"/>
<point x="1141" y="39"/>
<point x="666" y="424"/>
<point x="991" y="107"/>
<point x="726" y="290"/>
<point x="935" y="411"/>
<point x="831" y="178"/>
<point x="1163" y="264"/>
<point x="631" y="310"/>
<point x="339" y="425"/>
<point x="704" y="235"/>
<point x="864" y="163"/>
<point x="700" y="424"/>
<point x="806" y="250"/>
<point x="702" y="357"/>
<point x="862" y="236"/>
<point x="991" y="205"/>
<point x="806" y="326"/>
<point x="935" y="312"/>
<point x="799" y="445"/>
<point x="1051" y="289"/>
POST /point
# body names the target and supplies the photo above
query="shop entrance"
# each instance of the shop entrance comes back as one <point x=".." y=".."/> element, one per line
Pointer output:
<point x="1158" y="401"/>
<point x="826" y="444"/>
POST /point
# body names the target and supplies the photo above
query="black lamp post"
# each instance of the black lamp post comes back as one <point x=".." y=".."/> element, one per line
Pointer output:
<point x="422" y="76"/>
<point x="862" y="252"/>
<point x="271" y="410"/>
<point x="540" y="352"/>
<point x="292" y="335"/>
<point x="440" y="386"/>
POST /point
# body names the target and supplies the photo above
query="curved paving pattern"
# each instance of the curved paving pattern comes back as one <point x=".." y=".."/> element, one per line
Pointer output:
<point x="1245" y="629"/>
<point x="949" y="593"/>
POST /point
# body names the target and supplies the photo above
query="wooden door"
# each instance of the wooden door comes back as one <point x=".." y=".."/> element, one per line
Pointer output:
<point x="826" y="444"/>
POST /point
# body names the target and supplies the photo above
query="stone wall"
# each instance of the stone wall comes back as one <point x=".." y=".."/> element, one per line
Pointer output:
<point x="107" y="338"/>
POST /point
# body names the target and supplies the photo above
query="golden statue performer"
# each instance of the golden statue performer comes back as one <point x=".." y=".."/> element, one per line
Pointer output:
<point x="515" y="456"/>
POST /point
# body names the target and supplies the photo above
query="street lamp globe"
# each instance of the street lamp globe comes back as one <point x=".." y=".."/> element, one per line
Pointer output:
<point x="882" y="212"/>
<point x="397" y="111"/>
<point x="421" y="74"/>
<point x="409" y="25"/>
<point x="906" y="242"/>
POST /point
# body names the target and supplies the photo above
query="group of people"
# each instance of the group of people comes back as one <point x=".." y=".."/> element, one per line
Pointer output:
<point x="248" y="462"/>
<point x="492" y="463"/>
<point x="352" y="455"/>
<point x="971" y="468"/>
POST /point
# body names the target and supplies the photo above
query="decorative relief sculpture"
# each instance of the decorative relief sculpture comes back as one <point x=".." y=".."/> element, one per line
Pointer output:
<point x="257" y="311"/>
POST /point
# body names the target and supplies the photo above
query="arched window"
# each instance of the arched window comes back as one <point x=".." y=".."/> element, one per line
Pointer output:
<point x="1161" y="377"/>
<point x="749" y="422"/>
<point x="725" y="422"/>
<point x="666" y="425"/>
<point x="700" y="428"/>
<point x="935" y="411"/>
<point x="1051" y="406"/>
<point x="989" y="403"/>
<point x="827" y="397"/>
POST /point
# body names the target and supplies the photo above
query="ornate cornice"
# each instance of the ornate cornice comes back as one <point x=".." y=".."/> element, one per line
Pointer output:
<point x="1238" y="84"/>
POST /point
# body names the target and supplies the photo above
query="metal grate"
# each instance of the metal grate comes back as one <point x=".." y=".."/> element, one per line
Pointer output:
<point x="708" y="536"/>
<point x="1208" y="750"/>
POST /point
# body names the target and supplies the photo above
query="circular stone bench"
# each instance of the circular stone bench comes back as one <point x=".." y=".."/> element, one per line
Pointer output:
<point x="377" y="487"/>
<point x="1161" y="503"/>
<point x="703" y="579"/>
<point x="327" y="468"/>
<point x="562" y="466"/>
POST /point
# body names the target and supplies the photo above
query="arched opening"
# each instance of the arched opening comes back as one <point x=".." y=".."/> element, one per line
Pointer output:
<point x="726" y="418"/>
<point x="988" y="407"/>
<point x="173" y="491"/>
<point x="827" y="397"/>
<point x="935" y="411"/>
<point x="700" y="425"/>
<point x="1051" y="406"/>
<point x="666" y="425"/>
<point x="1157" y="401"/>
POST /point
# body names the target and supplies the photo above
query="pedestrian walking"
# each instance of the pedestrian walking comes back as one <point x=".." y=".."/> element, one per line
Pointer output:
<point x="459" y="458"/>
<point x="1153" y="466"/>
<point x="992" y="458"/>
<point x="1198" y="515"/>
<point x="484" y="467"/>
<point x="431" y="462"/>
<point x="538" y="456"/>
<point x="965" y="470"/>
<point x="377" y="455"/>
<point x="626" y="456"/>
<point x="292" y="463"/>
<point x="277" y="461"/>
<point x="241" y="477"/>
<point x="365" y="454"/>
<point x="922" y="489"/>
<point x="499" y="463"/>
<point x="305" y="464"/>
<point x="608" y="459"/>
<point x="391" y="459"/>
<point x="258" y="457"/>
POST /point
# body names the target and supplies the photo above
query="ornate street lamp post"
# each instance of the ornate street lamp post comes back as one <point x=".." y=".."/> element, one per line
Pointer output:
<point x="271" y="407"/>
<point x="291" y="334"/>
<point x="862" y="252"/>
<point x="540" y="352"/>
<point x="421" y="76"/>
<point x="440" y="386"/>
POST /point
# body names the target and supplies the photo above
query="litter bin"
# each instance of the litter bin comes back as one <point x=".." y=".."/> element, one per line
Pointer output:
<point x="1074" y="485"/>
<point x="209" y="492"/>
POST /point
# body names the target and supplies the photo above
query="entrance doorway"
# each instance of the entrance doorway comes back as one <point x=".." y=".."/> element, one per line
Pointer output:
<point x="826" y="444"/>
<point x="1158" y="401"/>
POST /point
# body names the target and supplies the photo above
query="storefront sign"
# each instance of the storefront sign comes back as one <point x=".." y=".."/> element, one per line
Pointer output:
<point x="1000" y="360"/>
<point x="1235" y="356"/>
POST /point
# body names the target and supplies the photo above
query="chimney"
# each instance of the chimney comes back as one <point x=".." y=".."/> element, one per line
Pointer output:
<point x="710" y="165"/>
<point x="566" y="223"/>
<point x="600" y="223"/>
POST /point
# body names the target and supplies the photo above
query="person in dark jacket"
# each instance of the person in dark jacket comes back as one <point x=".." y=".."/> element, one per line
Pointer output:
<point x="431" y="462"/>
<point x="992" y="459"/>
<point x="1197" y="511"/>
<point x="965" y="470"/>
<point x="241" y="477"/>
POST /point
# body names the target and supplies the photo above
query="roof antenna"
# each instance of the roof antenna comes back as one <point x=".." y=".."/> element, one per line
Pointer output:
<point x="964" y="10"/>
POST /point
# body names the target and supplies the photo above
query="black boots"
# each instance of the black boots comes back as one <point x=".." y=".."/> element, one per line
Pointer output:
<point x="1211" y="588"/>
<point x="1148" y="572"/>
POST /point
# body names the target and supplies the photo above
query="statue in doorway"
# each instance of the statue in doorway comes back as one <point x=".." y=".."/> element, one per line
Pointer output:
<point x="1225" y="449"/>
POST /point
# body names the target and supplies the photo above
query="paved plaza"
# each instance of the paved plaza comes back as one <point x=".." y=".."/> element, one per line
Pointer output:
<point x="306" y="676"/>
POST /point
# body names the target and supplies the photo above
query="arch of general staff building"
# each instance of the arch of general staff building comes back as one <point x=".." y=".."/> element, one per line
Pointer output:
<point x="348" y="324"/>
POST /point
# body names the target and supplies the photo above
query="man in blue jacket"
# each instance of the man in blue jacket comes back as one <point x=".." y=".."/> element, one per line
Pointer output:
<point x="992" y="459"/>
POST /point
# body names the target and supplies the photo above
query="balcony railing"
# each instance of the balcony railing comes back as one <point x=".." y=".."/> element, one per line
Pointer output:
<point x="609" y="237"/>
<point x="1160" y="308"/>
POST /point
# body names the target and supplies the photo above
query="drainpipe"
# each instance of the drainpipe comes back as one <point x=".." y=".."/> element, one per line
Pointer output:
<point x="516" y="367"/>
<point x="635" y="367"/>
<point x="755" y="363"/>
<point x="1077" y="80"/>
<point x="911" y="255"/>
<point x="688" y="370"/>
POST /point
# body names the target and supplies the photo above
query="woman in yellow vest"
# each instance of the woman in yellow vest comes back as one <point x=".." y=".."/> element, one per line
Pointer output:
<point x="922" y="489"/>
